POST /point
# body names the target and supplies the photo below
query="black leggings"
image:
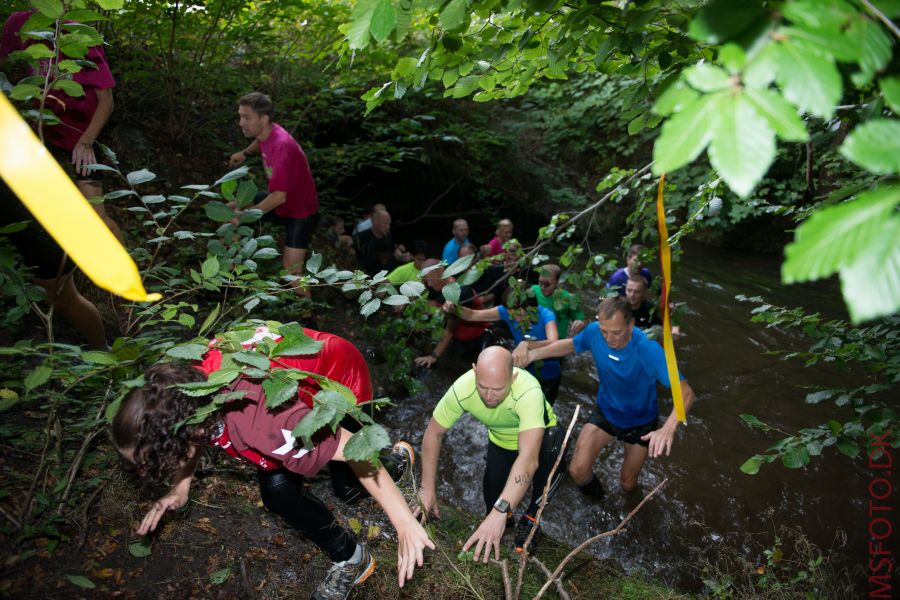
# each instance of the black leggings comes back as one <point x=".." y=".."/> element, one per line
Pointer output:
<point x="500" y="462"/>
<point x="285" y="494"/>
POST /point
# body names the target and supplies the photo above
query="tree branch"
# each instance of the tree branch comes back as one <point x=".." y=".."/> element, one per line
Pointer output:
<point x="588" y="542"/>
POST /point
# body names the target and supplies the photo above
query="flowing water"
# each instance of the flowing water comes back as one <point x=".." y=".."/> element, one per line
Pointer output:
<point x="709" y="504"/>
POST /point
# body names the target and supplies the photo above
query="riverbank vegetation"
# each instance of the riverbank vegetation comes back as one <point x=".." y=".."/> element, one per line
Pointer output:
<point x="776" y="124"/>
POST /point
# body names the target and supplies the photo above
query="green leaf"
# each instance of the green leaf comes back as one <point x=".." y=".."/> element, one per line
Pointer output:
<point x="69" y="87"/>
<point x="686" y="134"/>
<point x="319" y="417"/>
<point x="279" y="388"/>
<point x="141" y="548"/>
<point x="751" y="467"/>
<point x="296" y="344"/>
<point x="707" y="78"/>
<point x="722" y="20"/>
<point x="96" y="357"/>
<point x="847" y="448"/>
<point x="634" y="126"/>
<point x="875" y="146"/>
<point x="874" y="47"/>
<point x="210" y="319"/>
<point x="866" y="294"/>
<point x="220" y="576"/>
<point x="24" y="91"/>
<point x="265" y="253"/>
<point x="782" y="117"/>
<point x="412" y="288"/>
<point x="458" y="266"/>
<point x="254" y="359"/>
<point x="187" y="320"/>
<point x="370" y="307"/>
<point x="50" y="8"/>
<point x="139" y="177"/>
<point x="454" y="14"/>
<point x="231" y="175"/>
<point x="81" y="581"/>
<point x="835" y="236"/>
<point x="111" y="4"/>
<point x="360" y="22"/>
<point x="8" y="399"/>
<point x="314" y="263"/>
<point x="38" y="377"/>
<point x="810" y="82"/>
<point x="39" y="52"/>
<point x="754" y="422"/>
<point x="366" y="443"/>
<point x="395" y="300"/>
<point x="742" y="146"/>
<point x="188" y="351"/>
<point x="210" y="267"/>
<point x="890" y="87"/>
<point x="795" y="458"/>
<point x="383" y="21"/>
<point x="675" y="99"/>
<point x="451" y="292"/>
<point x="218" y="211"/>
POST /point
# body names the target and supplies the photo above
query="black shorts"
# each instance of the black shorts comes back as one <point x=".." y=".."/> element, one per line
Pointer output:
<point x="40" y="251"/>
<point x="629" y="435"/>
<point x="297" y="231"/>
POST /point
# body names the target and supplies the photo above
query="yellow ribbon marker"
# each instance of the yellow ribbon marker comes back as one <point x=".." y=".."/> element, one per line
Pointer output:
<point x="665" y="258"/>
<point x="46" y="190"/>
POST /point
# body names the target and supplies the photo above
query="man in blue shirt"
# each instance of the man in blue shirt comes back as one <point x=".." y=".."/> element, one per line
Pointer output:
<point x="629" y="365"/>
<point x="460" y="238"/>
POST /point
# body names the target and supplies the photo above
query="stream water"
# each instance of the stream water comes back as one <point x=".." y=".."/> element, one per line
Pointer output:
<point x="709" y="505"/>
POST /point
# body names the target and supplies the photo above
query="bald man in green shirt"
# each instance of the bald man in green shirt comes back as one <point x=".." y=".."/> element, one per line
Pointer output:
<point x="523" y="443"/>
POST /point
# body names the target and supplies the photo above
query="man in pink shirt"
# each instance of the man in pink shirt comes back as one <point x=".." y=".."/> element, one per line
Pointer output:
<point x="81" y="119"/>
<point x="292" y="191"/>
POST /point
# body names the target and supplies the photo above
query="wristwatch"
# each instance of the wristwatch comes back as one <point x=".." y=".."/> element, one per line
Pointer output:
<point x="501" y="505"/>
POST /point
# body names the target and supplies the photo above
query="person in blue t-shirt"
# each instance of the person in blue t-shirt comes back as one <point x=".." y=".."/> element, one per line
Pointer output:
<point x="629" y="365"/>
<point x="633" y="266"/>
<point x="460" y="239"/>
<point x="526" y="321"/>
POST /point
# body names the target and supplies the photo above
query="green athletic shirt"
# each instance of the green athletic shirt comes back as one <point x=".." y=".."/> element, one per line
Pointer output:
<point x="523" y="409"/>
<point x="404" y="273"/>
<point x="566" y="308"/>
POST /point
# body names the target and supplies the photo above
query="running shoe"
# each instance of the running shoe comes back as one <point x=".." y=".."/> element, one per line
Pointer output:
<point x="342" y="577"/>
<point x="526" y="524"/>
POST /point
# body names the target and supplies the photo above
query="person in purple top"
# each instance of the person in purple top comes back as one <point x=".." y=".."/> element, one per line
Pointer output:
<point x="633" y="267"/>
<point x="292" y="191"/>
<point x="81" y="118"/>
<point x="629" y="365"/>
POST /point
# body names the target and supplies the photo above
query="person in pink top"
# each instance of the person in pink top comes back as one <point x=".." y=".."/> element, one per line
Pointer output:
<point x="504" y="233"/>
<point x="81" y="119"/>
<point x="292" y="191"/>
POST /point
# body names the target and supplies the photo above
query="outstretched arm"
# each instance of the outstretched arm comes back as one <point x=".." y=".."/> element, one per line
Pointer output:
<point x="411" y="538"/>
<point x="484" y="315"/>
<point x="528" y="352"/>
<point x="490" y="531"/>
<point x="240" y="156"/>
<point x="661" y="439"/>
<point x="175" y="499"/>
<point x="431" y="450"/>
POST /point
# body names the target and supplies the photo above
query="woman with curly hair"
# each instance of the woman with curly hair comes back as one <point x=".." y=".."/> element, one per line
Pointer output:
<point x="146" y="432"/>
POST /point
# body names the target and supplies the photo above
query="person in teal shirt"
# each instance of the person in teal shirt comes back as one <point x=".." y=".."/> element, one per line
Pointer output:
<point x="460" y="239"/>
<point x="566" y="307"/>
<point x="523" y="443"/>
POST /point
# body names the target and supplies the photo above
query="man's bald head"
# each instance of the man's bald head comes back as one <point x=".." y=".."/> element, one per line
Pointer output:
<point x="494" y="375"/>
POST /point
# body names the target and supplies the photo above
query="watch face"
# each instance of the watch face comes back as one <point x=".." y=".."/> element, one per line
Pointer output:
<point x="501" y="505"/>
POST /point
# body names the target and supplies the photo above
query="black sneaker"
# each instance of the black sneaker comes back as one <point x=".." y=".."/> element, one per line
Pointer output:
<point x="341" y="578"/>
<point x="593" y="488"/>
<point x="526" y="524"/>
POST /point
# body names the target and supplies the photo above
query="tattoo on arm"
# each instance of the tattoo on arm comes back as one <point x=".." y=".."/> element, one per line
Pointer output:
<point x="522" y="479"/>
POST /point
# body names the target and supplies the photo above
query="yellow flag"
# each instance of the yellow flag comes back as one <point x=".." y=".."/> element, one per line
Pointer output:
<point x="46" y="190"/>
<point x="665" y="258"/>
